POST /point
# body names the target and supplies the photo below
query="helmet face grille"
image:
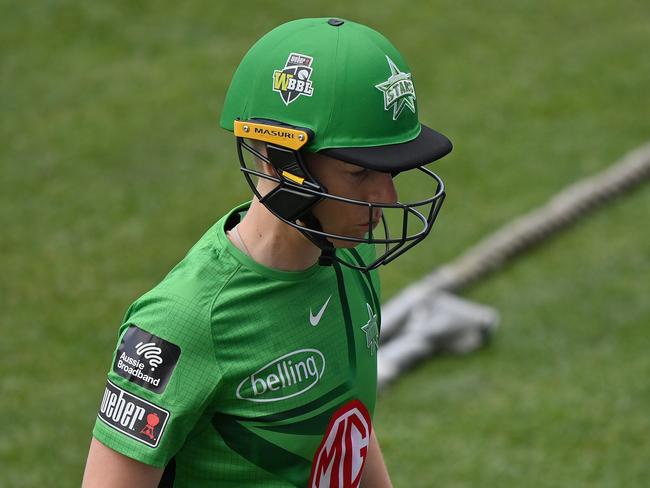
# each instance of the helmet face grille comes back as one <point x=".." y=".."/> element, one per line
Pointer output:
<point x="297" y="192"/>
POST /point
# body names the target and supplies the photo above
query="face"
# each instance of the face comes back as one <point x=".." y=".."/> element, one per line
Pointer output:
<point x="353" y="182"/>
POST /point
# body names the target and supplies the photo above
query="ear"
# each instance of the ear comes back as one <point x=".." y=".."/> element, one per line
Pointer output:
<point x="268" y="169"/>
<point x="263" y="166"/>
<point x="259" y="146"/>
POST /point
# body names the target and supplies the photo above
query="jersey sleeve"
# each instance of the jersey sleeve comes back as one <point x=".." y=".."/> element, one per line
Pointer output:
<point x="162" y="378"/>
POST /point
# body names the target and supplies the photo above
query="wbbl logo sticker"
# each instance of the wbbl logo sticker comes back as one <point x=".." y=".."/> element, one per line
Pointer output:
<point x="145" y="359"/>
<point x="293" y="80"/>
<point x="132" y="416"/>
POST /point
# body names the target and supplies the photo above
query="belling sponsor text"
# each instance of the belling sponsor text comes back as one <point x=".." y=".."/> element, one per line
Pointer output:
<point x="285" y="377"/>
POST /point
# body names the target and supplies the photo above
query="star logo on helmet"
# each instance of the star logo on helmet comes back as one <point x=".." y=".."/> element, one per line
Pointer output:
<point x="398" y="90"/>
<point x="372" y="331"/>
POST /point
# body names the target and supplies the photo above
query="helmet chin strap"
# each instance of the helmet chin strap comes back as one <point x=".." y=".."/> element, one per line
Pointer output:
<point x="283" y="159"/>
<point x="327" y="256"/>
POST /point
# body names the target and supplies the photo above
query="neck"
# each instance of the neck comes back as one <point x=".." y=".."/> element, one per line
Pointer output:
<point x="273" y="243"/>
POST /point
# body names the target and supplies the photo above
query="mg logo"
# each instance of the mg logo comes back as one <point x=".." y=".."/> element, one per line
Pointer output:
<point x="340" y="458"/>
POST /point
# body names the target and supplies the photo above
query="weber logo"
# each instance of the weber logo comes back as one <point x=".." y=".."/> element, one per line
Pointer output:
<point x="145" y="359"/>
<point x="133" y="416"/>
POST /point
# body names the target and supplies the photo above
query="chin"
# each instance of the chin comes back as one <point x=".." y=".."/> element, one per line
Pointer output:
<point x="344" y="244"/>
<point x="341" y="244"/>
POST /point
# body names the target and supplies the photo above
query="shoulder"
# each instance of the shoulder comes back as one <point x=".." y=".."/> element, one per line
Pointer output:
<point x="178" y="309"/>
<point x="188" y="290"/>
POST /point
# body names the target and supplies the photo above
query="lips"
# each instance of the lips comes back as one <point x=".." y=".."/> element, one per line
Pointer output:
<point x="372" y="224"/>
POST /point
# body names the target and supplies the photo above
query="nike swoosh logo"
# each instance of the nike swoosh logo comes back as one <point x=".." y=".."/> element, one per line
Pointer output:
<point x="314" y="320"/>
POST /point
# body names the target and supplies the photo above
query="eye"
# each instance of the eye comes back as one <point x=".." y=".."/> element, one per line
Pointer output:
<point x="360" y="173"/>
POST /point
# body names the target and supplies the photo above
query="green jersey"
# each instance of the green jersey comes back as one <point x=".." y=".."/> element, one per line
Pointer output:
<point x="229" y="373"/>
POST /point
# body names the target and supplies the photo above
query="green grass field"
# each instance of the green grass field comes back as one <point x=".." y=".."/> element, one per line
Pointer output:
<point x="112" y="164"/>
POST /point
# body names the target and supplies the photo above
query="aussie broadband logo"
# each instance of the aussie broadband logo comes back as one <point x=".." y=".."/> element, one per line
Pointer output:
<point x="285" y="377"/>
<point x="146" y="359"/>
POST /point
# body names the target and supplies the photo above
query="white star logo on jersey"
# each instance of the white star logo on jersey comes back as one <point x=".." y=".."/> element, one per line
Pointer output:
<point x="372" y="331"/>
<point x="398" y="90"/>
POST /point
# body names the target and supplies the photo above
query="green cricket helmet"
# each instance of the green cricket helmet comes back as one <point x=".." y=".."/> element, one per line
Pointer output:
<point x="341" y="89"/>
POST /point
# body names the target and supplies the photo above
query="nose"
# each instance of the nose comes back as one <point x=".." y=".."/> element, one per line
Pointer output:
<point x="383" y="190"/>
